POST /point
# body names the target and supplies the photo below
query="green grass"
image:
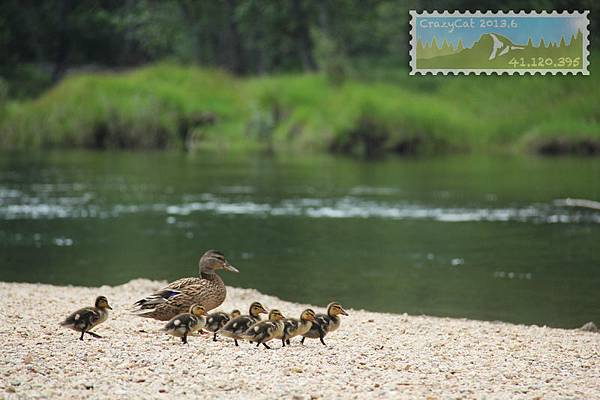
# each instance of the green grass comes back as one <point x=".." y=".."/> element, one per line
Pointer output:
<point x="375" y="111"/>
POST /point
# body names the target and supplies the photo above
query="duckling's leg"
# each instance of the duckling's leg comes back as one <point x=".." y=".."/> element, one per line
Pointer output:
<point x="302" y="340"/>
<point x="84" y="330"/>
<point x="264" y="344"/>
<point x="94" y="335"/>
<point x="283" y="342"/>
<point x="236" y="343"/>
<point x="288" y="342"/>
<point x="184" y="339"/>
<point x="257" y="344"/>
<point x="322" y="335"/>
<point x="215" y="337"/>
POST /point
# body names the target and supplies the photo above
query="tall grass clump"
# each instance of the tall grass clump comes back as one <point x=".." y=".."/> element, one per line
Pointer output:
<point x="368" y="113"/>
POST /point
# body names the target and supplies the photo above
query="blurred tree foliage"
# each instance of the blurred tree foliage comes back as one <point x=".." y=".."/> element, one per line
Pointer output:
<point x="42" y="40"/>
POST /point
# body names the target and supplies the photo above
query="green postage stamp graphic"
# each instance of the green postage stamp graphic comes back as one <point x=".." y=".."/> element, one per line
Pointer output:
<point x="498" y="42"/>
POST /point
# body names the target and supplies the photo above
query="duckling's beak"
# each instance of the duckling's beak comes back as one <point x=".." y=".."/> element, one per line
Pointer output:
<point x="109" y="307"/>
<point x="230" y="267"/>
<point x="343" y="312"/>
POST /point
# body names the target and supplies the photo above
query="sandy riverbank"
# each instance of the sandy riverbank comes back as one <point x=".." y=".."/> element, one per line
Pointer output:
<point x="373" y="355"/>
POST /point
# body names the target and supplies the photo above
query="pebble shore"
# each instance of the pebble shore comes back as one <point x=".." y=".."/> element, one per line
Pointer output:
<point x="372" y="355"/>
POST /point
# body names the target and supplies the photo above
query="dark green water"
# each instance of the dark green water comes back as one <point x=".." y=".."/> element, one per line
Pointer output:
<point x="460" y="236"/>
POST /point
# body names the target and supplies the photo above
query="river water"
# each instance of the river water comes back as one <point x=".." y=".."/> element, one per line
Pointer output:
<point x="478" y="237"/>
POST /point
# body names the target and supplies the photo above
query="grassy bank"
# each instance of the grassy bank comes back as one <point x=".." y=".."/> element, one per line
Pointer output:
<point x="378" y="111"/>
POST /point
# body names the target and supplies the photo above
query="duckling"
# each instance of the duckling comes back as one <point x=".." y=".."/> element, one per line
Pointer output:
<point x="262" y="332"/>
<point x="325" y="323"/>
<point x="184" y="324"/>
<point x="236" y="327"/>
<point x="294" y="327"/>
<point x="208" y="290"/>
<point x="83" y="320"/>
<point x="217" y="320"/>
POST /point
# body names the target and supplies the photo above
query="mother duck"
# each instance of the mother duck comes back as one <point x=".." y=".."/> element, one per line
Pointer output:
<point x="208" y="290"/>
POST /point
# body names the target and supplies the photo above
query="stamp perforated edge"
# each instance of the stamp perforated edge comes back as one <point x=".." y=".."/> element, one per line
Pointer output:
<point x="413" y="34"/>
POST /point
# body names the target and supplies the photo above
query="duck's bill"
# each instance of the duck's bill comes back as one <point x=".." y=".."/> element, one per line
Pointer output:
<point x="231" y="268"/>
<point x="109" y="307"/>
<point x="343" y="312"/>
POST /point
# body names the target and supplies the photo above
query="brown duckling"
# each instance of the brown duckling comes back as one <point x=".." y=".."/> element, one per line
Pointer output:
<point x="184" y="324"/>
<point x="325" y="323"/>
<point x="217" y="320"/>
<point x="208" y="290"/>
<point x="263" y="331"/>
<point x="236" y="327"/>
<point x="294" y="327"/>
<point x="83" y="320"/>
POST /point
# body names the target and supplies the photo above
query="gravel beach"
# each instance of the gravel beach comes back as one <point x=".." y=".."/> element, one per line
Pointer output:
<point x="372" y="355"/>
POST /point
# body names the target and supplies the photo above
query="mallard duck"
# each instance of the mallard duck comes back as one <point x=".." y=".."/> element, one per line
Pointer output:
<point x="207" y="290"/>
<point x="295" y="327"/>
<point x="325" y="323"/>
<point x="236" y="327"/>
<point x="263" y="331"/>
<point x="87" y="318"/>
<point x="217" y="320"/>
<point x="184" y="324"/>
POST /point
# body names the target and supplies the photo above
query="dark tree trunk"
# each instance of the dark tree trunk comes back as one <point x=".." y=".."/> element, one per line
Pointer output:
<point x="234" y="52"/>
<point x="62" y="50"/>
<point x="302" y="35"/>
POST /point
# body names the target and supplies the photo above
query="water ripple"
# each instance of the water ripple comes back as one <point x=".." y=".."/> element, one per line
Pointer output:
<point x="13" y="207"/>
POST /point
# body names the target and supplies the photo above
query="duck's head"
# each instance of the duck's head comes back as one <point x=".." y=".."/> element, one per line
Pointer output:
<point x="197" y="310"/>
<point x="308" y="315"/>
<point x="213" y="260"/>
<point x="334" y="309"/>
<point x="256" y="308"/>
<point x="102" y="303"/>
<point x="235" y="313"/>
<point x="276" y="315"/>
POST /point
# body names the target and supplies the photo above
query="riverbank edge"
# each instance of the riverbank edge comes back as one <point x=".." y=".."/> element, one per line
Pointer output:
<point x="374" y="355"/>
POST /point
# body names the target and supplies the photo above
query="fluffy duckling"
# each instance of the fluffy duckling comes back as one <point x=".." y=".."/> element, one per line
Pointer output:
<point x="83" y="320"/>
<point x="217" y="320"/>
<point x="184" y="324"/>
<point x="236" y="327"/>
<point x="264" y="331"/>
<point x="325" y="323"/>
<point x="294" y="327"/>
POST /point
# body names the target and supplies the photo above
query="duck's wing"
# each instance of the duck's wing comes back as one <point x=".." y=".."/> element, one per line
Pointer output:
<point x="261" y="331"/>
<point x="290" y="325"/>
<point x="183" y="322"/>
<point x="150" y="302"/>
<point x="82" y="318"/>
<point x="239" y="325"/>
<point x="180" y="283"/>
<point x="216" y="321"/>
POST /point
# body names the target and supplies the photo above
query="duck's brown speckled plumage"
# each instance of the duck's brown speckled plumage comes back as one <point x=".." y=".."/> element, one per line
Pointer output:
<point x="207" y="290"/>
